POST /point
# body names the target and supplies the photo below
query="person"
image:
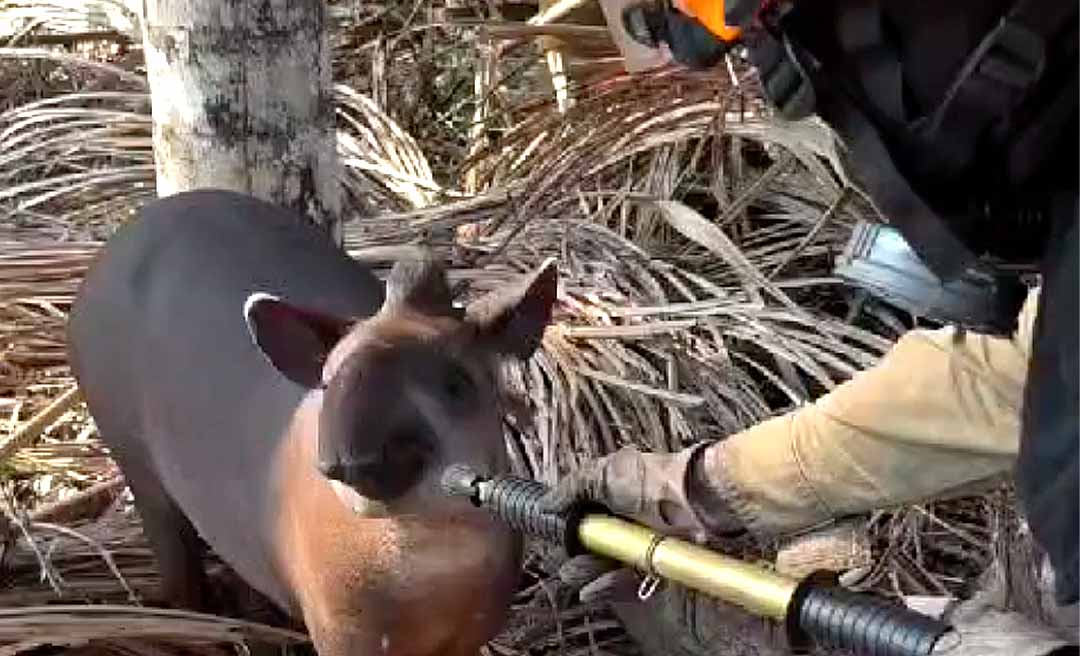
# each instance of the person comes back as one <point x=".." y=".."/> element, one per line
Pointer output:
<point x="960" y="122"/>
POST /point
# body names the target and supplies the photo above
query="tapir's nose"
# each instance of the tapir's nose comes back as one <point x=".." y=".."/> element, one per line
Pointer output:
<point x="383" y="464"/>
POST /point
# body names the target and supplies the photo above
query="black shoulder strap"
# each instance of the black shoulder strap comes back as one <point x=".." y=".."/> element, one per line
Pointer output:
<point x="785" y="84"/>
<point x="925" y="230"/>
<point x="996" y="78"/>
<point x="931" y="236"/>
<point x="1048" y="464"/>
<point x="859" y="30"/>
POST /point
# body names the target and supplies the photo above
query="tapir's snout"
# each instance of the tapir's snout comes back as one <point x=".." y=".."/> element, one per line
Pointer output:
<point x="369" y="436"/>
<point x="384" y="471"/>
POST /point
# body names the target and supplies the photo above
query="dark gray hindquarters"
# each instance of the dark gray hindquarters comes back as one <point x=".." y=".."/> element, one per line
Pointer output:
<point x="190" y="408"/>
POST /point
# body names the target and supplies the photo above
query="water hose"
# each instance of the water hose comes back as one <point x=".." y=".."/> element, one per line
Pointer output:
<point x="814" y="610"/>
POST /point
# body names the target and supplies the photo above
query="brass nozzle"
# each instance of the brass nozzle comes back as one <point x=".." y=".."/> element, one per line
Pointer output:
<point x="761" y="591"/>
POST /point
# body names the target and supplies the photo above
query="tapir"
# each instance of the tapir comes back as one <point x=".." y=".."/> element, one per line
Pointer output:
<point x="267" y="395"/>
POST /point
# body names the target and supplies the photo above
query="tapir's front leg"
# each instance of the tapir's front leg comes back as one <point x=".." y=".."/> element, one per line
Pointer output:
<point x="174" y="540"/>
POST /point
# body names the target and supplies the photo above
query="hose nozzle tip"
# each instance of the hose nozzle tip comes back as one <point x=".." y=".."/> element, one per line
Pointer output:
<point x="460" y="481"/>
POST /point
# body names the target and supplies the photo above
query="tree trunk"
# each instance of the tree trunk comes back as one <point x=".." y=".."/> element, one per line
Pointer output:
<point x="242" y="100"/>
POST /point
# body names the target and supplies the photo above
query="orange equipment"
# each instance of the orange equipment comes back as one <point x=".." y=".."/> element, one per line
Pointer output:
<point x="710" y="13"/>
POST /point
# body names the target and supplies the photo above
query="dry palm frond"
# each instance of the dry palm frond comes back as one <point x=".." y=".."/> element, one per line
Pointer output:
<point x="941" y="549"/>
<point x="121" y="628"/>
<point x="37" y="282"/>
<point x="29" y="431"/>
<point x="38" y="271"/>
<point x="80" y="164"/>
<point x="76" y="564"/>
<point x="25" y="17"/>
<point x="371" y="143"/>
<point x="73" y="61"/>
<point x="415" y="67"/>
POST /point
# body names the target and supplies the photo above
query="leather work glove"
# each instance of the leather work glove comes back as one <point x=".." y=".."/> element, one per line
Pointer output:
<point x="987" y="626"/>
<point x="674" y="620"/>
<point x="671" y="494"/>
<point x="985" y="631"/>
<point x="668" y="492"/>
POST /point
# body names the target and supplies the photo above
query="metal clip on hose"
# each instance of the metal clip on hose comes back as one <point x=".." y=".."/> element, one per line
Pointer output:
<point x="814" y="610"/>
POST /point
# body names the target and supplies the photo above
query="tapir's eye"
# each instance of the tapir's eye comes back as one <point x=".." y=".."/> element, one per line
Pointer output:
<point x="457" y="383"/>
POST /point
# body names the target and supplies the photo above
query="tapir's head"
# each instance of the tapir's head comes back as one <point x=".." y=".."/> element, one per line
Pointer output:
<point x="412" y="389"/>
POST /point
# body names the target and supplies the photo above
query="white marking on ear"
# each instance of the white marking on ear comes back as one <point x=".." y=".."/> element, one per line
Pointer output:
<point x="249" y="305"/>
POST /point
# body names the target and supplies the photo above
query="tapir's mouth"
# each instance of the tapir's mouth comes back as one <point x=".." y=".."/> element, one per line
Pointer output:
<point x="424" y="508"/>
<point x="386" y="475"/>
<point x="358" y="503"/>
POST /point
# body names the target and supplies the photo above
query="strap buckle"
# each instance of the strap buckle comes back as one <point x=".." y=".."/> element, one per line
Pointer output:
<point x="1012" y="54"/>
<point x="786" y="85"/>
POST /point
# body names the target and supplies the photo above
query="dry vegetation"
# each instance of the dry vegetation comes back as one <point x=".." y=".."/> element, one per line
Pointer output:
<point x="694" y="235"/>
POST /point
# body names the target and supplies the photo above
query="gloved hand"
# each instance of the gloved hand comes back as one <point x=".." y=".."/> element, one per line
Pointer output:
<point x="985" y="631"/>
<point x="986" y="627"/>
<point x="668" y="492"/>
<point x="674" y="620"/>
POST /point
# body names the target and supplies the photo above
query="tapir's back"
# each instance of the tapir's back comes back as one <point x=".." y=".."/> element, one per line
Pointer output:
<point x="158" y="342"/>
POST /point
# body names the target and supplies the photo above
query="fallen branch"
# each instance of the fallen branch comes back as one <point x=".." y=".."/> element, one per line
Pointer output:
<point x="85" y="505"/>
<point x="26" y="434"/>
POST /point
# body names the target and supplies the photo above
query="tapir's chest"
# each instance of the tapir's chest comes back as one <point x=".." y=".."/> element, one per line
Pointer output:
<point x="401" y="584"/>
<point x="410" y="587"/>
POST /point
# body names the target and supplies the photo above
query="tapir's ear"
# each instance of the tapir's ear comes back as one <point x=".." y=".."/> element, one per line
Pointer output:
<point x="419" y="284"/>
<point x="512" y="319"/>
<point x="295" y="340"/>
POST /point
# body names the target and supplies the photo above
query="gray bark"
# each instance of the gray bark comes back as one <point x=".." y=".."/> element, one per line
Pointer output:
<point x="242" y="100"/>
